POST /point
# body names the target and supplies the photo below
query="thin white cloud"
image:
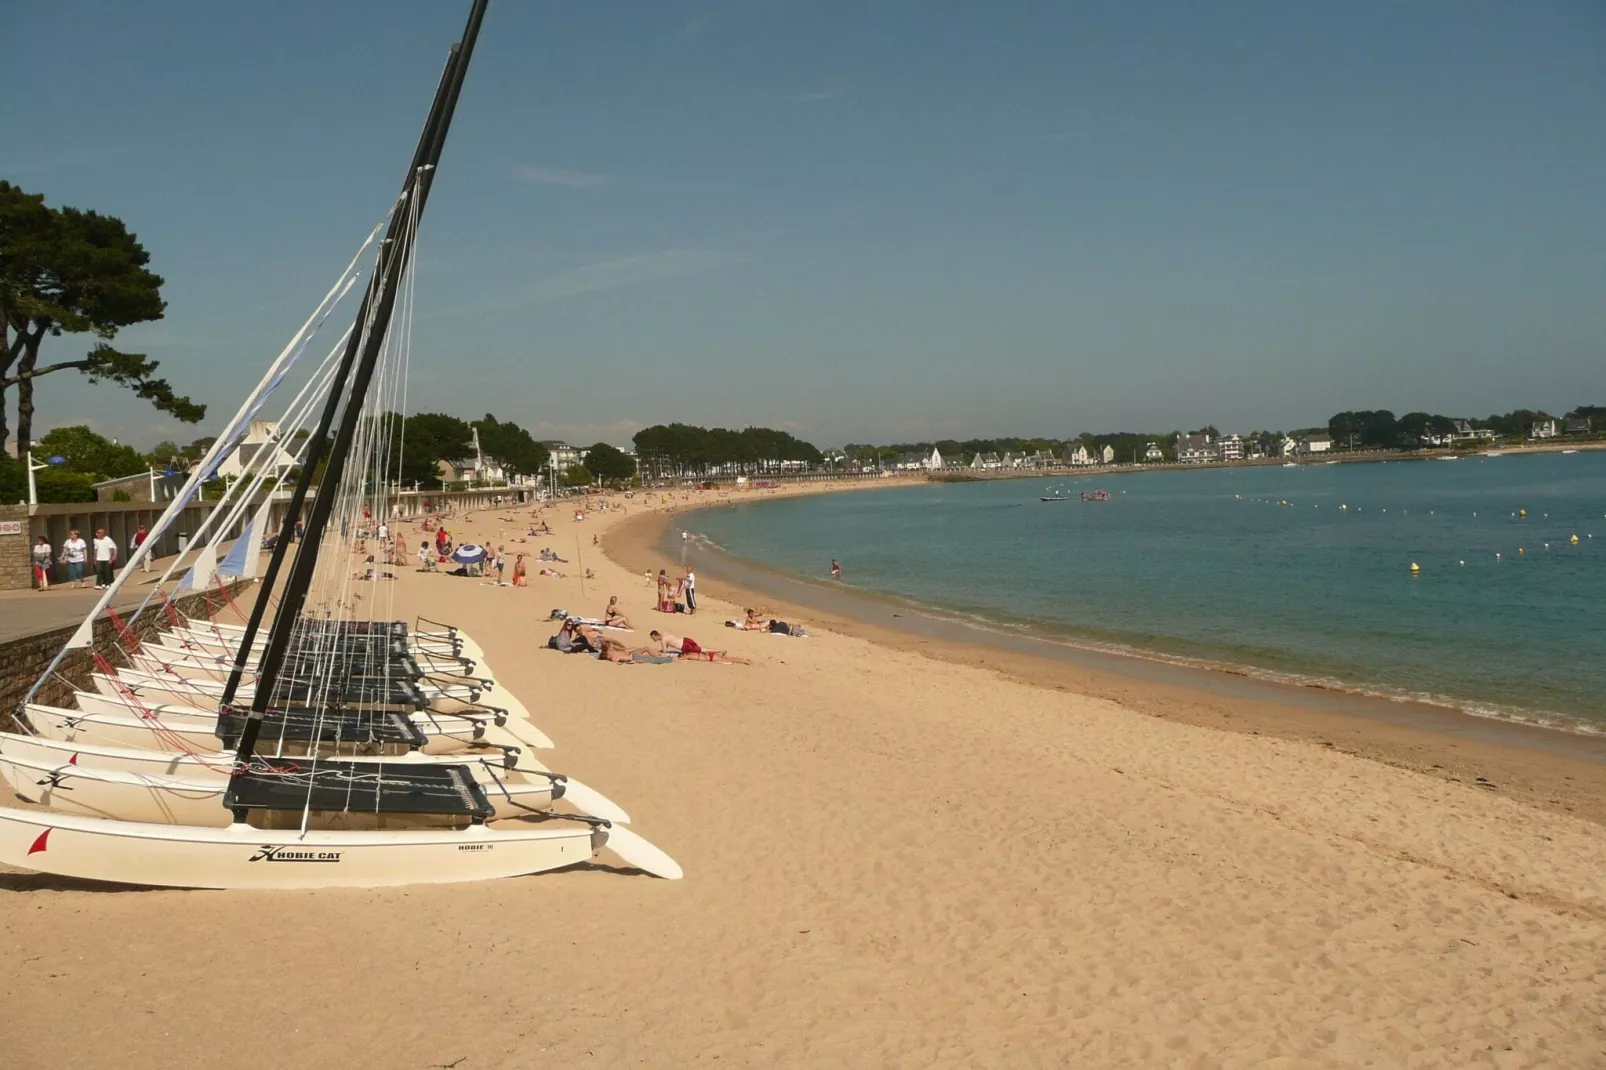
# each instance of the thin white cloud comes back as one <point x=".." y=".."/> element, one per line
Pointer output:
<point x="61" y="162"/>
<point x="552" y="176"/>
<point x="633" y="270"/>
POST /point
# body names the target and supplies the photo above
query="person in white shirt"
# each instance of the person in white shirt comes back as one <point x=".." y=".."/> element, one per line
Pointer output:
<point x="691" y="590"/>
<point x="41" y="563"/>
<point x="74" y="552"/>
<point x="105" y="557"/>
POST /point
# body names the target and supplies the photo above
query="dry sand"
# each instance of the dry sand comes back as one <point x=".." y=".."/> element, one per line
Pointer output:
<point x="891" y="859"/>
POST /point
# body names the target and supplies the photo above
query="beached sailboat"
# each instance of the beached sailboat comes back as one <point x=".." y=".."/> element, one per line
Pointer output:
<point x="317" y="682"/>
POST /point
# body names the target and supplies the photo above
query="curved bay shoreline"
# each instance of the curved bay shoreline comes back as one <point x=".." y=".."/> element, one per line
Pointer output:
<point x="1546" y="768"/>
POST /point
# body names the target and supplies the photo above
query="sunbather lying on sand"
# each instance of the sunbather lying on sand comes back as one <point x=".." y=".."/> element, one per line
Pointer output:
<point x="689" y="650"/>
<point x="574" y="638"/>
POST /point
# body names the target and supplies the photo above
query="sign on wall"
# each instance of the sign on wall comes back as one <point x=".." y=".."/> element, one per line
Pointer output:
<point x="10" y="527"/>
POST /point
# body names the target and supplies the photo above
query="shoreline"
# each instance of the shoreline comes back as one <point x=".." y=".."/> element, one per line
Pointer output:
<point x="1550" y="769"/>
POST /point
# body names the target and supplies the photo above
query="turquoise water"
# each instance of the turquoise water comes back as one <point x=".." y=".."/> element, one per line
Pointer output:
<point x="1211" y="566"/>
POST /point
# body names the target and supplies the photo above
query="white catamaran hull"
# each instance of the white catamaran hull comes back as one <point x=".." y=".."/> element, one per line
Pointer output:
<point x="198" y="800"/>
<point x="241" y="856"/>
<point x="215" y="766"/>
<point x="190" y="730"/>
<point x="134" y="692"/>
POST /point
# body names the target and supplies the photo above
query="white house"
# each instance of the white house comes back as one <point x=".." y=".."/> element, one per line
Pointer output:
<point x="1542" y="429"/>
<point x="1080" y="456"/>
<point x="1320" y="442"/>
<point x="1287" y="447"/>
<point x="260" y="435"/>
<point x="1108" y="454"/>
<point x="1153" y="454"/>
<point x="1195" y="449"/>
<point x="934" y="463"/>
<point x="1232" y="448"/>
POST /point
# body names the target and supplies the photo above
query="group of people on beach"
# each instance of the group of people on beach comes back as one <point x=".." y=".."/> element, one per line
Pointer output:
<point x="76" y="554"/>
<point x="578" y="637"/>
<point x="677" y="595"/>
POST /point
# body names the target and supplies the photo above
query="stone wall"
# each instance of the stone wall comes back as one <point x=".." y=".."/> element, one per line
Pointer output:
<point x="15" y="571"/>
<point x="22" y="660"/>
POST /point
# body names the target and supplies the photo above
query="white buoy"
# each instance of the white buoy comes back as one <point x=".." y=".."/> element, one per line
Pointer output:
<point x="1463" y="564"/>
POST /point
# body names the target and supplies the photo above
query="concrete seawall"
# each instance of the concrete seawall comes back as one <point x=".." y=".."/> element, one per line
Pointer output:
<point x="23" y="658"/>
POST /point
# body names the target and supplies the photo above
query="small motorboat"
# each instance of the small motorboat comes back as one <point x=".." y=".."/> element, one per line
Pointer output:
<point x="1096" y="496"/>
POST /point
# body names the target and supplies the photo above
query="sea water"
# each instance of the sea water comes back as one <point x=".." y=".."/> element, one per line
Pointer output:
<point x="1297" y="573"/>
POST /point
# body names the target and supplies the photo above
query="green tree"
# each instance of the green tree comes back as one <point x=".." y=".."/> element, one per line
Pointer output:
<point x="609" y="464"/>
<point x="511" y="445"/>
<point x="68" y="271"/>
<point x="576" y="475"/>
<point x="429" y="438"/>
<point x="90" y="454"/>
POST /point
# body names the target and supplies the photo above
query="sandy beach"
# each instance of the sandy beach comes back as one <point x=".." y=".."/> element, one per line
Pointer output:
<point x="896" y="854"/>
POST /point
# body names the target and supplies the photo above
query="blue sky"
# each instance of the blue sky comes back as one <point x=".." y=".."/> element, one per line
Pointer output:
<point x="887" y="220"/>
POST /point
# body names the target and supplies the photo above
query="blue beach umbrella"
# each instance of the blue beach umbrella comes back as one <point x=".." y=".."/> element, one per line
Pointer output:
<point x="469" y="554"/>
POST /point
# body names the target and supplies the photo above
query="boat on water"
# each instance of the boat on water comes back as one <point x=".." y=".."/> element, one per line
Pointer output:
<point x="1290" y="464"/>
<point x="1054" y="495"/>
<point x="1569" y="451"/>
<point x="1096" y="496"/>
<point x="322" y="745"/>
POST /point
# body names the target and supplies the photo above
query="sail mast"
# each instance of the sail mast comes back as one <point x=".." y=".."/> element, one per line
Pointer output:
<point x="320" y="436"/>
<point x="385" y="285"/>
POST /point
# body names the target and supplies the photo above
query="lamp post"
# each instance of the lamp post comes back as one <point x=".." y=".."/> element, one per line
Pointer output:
<point x="33" y="488"/>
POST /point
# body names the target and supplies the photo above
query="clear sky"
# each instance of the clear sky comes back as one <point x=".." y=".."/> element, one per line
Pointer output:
<point x="858" y="220"/>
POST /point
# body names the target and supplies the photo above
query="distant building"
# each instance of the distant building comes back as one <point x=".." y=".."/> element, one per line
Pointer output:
<point x="934" y="463"/>
<point x="563" y="455"/>
<point x="1288" y="447"/>
<point x="1578" y="425"/>
<point x="259" y="436"/>
<point x="1232" y="448"/>
<point x="1107" y="454"/>
<point x="1542" y="429"/>
<point x="1465" y="432"/>
<point x="1153" y="454"/>
<point x="152" y="486"/>
<point x="1320" y="442"/>
<point x="1196" y="449"/>
<point x="1079" y="456"/>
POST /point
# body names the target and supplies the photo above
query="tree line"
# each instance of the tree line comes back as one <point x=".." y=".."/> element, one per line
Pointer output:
<point x="674" y="449"/>
<point x="1381" y="429"/>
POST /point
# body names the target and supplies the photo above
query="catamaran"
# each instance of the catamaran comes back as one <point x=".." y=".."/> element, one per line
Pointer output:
<point x="324" y="746"/>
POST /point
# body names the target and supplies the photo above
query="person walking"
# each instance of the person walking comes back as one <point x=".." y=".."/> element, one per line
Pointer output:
<point x="691" y="590"/>
<point x="105" y="557"/>
<point x="74" y="553"/>
<point x="41" y="563"/>
<point x="141" y="533"/>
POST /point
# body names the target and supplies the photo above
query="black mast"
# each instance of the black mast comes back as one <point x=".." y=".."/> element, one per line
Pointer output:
<point x="337" y="386"/>
<point x="384" y="287"/>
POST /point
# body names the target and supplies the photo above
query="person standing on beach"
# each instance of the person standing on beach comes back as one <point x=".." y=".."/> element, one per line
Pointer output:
<point x="105" y="557"/>
<point x="690" y="583"/>
<point x="74" y="552"/>
<point x="663" y="590"/>
<point x="140" y="535"/>
<point x="836" y="569"/>
<point x="41" y="563"/>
